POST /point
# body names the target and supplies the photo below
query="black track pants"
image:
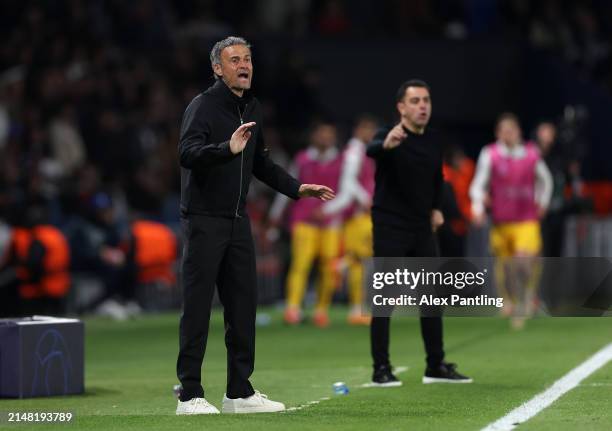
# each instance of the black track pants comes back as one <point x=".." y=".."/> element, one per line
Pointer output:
<point x="217" y="251"/>
<point x="393" y="242"/>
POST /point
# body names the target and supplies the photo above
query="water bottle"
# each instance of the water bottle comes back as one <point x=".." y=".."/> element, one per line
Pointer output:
<point x="340" y="388"/>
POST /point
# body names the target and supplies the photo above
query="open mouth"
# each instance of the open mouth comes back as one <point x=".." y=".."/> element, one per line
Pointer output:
<point x="243" y="75"/>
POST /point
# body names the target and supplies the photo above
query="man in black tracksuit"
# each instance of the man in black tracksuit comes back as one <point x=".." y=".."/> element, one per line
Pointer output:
<point x="405" y="214"/>
<point x="221" y="146"/>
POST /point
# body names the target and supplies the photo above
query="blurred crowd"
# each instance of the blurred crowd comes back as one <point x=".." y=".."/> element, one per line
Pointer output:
<point x="92" y="93"/>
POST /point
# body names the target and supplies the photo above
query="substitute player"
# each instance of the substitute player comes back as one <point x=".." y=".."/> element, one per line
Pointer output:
<point x="354" y="201"/>
<point x="513" y="178"/>
<point x="313" y="237"/>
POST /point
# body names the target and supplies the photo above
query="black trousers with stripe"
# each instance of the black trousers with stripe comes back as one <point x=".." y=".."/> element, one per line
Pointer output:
<point x="394" y="242"/>
<point x="217" y="252"/>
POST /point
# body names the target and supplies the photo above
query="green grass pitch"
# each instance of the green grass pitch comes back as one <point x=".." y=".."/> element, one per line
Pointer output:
<point x="130" y="372"/>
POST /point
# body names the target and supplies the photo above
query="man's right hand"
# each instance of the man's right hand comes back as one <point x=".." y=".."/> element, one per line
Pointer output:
<point x="240" y="137"/>
<point x="394" y="137"/>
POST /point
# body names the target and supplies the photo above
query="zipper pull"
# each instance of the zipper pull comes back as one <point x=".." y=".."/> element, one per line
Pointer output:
<point x="240" y="115"/>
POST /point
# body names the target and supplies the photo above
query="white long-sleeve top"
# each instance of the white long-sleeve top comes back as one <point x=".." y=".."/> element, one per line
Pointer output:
<point x="350" y="189"/>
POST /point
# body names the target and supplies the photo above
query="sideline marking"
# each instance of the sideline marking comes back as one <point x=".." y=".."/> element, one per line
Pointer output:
<point x="397" y="370"/>
<point x="544" y="399"/>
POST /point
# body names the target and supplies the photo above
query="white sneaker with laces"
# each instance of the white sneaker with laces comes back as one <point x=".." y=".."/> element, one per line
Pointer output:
<point x="196" y="406"/>
<point x="256" y="403"/>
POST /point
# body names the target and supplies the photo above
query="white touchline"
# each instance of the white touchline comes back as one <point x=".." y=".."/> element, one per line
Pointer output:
<point x="397" y="370"/>
<point x="544" y="399"/>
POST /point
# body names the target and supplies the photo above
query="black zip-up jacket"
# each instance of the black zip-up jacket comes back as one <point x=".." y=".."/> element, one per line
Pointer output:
<point x="214" y="181"/>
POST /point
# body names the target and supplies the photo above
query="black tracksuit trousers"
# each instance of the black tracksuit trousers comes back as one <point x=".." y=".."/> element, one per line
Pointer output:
<point x="218" y="251"/>
<point x="394" y="242"/>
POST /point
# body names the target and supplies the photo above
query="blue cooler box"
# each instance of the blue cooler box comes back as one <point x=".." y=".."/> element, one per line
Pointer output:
<point x="41" y="356"/>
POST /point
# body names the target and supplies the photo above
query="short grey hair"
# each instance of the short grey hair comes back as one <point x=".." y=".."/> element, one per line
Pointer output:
<point x="215" y="52"/>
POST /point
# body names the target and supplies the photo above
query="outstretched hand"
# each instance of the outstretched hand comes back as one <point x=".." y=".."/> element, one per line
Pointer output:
<point x="316" y="191"/>
<point x="240" y="137"/>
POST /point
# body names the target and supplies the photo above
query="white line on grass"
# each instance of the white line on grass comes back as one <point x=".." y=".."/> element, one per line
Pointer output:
<point x="397" y="370"/>
<point x="544" y="399"/>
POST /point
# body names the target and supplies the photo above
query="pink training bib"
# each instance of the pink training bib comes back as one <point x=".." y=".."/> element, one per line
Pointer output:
<point x="513" y="185"/>
<point x="313" y="171"/>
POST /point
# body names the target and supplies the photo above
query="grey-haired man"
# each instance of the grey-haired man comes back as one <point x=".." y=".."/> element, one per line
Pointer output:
<point x="221" y="146"/>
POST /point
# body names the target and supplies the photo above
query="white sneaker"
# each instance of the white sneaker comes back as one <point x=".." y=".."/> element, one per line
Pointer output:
<point x="256" y="403"/>
<point x="196" y="406"/>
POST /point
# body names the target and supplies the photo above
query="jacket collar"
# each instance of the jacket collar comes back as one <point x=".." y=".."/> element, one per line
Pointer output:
<point x="411" y="133"/>
<point x="221" y="90"/>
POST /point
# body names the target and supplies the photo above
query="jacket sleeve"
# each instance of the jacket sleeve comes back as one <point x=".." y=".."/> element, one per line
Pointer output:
<point x="375" y="148"/>
<point x="195" y="150"/>
<point x="272" y="174"/>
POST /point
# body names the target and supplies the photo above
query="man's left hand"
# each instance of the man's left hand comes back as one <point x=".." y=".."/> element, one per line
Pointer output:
<point x="437" y="219"/>
<point x="316" y="191"/>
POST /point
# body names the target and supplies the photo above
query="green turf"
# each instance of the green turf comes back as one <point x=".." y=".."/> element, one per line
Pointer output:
<point x="130" y="373"/>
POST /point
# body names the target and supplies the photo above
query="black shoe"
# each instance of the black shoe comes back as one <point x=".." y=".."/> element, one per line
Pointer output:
<point x="445" y="373"/>
<point x="383" y="377"/>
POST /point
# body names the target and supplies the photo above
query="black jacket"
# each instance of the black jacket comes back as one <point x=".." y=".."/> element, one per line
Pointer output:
<point x="214" y="181"/>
